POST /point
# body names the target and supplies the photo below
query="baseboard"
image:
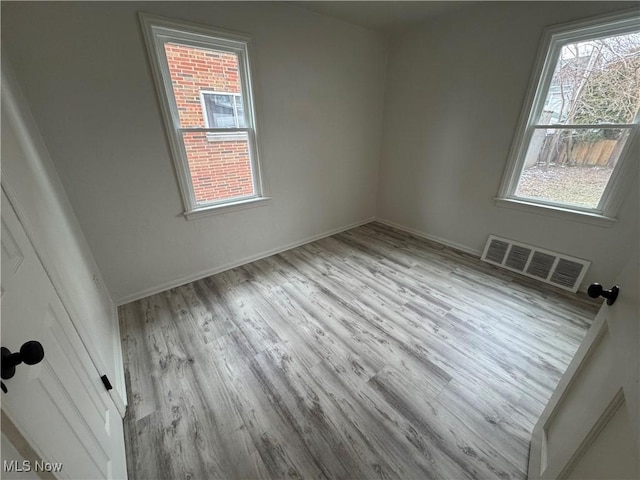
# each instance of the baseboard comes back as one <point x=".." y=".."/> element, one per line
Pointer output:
<point x="433" y="238"/>
<point x="252" y="258"/>
<point x="119" y="392"/>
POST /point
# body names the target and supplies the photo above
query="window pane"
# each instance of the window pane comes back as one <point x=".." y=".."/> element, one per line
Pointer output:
<point x="240" y="109"/>
<point x="595" y="82"/>
<point x="197" y="70"/>
<point x="570" y="166"/>
<point x="219" y="167"/>
<point x="220" y="111"/>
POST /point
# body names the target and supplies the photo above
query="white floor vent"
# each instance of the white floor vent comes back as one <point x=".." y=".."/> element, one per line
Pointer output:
<point x="550" y="267"/>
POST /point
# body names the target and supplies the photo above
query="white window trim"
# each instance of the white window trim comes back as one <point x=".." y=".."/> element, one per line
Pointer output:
<point x="158" y="30"/>
<point x="553" y="39"/>
<point x="240" y="203"/>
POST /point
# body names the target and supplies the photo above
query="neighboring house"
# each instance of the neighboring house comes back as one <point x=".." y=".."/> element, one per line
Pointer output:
<point x="207" y="88"/>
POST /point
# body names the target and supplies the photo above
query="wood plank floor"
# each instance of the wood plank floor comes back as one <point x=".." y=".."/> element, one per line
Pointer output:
<point x="368" y="354"/>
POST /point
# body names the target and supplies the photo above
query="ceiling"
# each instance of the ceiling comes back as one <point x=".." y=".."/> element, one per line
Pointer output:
<point x="382" y="15"/>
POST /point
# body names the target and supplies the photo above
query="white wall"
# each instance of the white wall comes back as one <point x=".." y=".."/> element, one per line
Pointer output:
<point x="34" y="188"/>
<point x="319" y="92"/>
<point x="455" y="89"/>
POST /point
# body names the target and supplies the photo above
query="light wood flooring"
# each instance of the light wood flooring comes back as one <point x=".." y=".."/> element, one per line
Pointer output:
<point x="369" y="354"/>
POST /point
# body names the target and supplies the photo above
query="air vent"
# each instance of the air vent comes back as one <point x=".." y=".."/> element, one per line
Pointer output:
<point x="496" y="251"/>
<point x="540" y="265"/>
<point x="517" y="258"/>
<point x="550" y="267"/>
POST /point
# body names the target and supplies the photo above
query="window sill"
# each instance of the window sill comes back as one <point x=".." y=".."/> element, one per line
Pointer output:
<point x="558" y="212"/>
<point x="226" y="207"/>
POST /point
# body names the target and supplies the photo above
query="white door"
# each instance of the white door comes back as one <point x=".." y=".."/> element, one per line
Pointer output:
<point x="589" y="428"/>
<point x="60" y="405"/>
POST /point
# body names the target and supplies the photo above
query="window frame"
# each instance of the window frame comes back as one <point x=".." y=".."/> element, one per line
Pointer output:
<point x="553" y="39"/>
<point x="157" y="31"/>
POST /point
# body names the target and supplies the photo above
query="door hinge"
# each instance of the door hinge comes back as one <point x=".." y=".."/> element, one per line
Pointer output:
<point x="106" y="382"/>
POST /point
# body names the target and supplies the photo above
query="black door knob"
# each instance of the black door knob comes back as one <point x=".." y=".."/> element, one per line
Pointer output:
<point x="595" y="290"/>
<point x="30" y="353"/>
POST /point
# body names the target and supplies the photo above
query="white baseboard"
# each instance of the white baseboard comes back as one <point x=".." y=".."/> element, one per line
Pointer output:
<point x="433" y="238"/>
<point x="252" y="258"/>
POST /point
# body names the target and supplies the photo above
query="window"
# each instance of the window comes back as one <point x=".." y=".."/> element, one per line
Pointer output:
<point x="223" y="110"/>
<point x="571" y="150"/>
<point x="203" y="80"/>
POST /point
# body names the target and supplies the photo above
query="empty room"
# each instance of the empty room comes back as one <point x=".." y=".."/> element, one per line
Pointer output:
<point x="320" y="240"/>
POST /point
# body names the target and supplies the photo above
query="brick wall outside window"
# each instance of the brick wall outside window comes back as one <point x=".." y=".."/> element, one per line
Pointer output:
<point x="219" y="169"/>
